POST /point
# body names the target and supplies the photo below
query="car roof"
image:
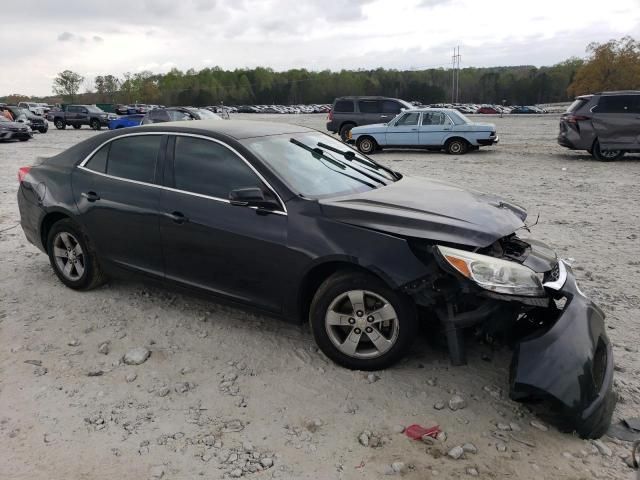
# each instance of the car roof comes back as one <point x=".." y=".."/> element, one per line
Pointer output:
<point x="238" y="129"/>
<point x="619" y="92"/>
<point x="365" y="97"/>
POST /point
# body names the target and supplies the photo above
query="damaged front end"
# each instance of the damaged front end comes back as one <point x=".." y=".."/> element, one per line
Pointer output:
<point x="518" y="290"/>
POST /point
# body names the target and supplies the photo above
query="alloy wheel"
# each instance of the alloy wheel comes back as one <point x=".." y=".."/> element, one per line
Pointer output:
<point x="69" y="256"/>
<point x="362" y="324"/>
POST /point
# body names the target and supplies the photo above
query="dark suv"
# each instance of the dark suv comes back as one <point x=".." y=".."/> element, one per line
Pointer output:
<point x="349" y="112"/>
<point x="606" y="124"/>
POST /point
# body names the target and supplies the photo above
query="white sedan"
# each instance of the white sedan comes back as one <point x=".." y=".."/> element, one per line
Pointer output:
<point x="430" y="128"/>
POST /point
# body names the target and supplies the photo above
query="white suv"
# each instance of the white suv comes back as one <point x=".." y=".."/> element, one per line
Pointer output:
<point x="32" y="107"/>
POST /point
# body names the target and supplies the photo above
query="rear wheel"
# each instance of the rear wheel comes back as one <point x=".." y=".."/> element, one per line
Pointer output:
<point x="344" y="131"/>
<point x="605" y="155"/>
<point x="73" y="259"/>
<point x="456" y="146"/>
<point x="360" y="323"/>
<point x="95" y="124"/>
<point x="59" y="123"/>
<point x="366" y="145"/>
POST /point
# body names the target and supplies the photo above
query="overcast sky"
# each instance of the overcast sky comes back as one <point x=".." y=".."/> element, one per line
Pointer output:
<point x="41" y="38"/>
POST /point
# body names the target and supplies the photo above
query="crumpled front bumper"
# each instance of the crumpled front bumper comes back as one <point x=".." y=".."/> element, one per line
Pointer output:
<point x="570" y="364"/>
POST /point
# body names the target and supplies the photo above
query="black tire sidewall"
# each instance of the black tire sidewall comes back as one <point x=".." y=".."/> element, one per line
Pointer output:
<point x="344" y="129"/>
<point x="373" y="145"/>
<point x="597" y="153"/>
<point x="339" y="283"/>
<point x="59" y="124"/>
<point x="89" y="265"/>
<point x="95" y="124"/>
<point x="463" y="147"/>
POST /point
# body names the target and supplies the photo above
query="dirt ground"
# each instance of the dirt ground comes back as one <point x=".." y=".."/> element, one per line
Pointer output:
<point x="224" y="388"/>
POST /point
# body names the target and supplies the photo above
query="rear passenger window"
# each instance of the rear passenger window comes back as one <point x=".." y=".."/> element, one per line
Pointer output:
<point x="433" y="118"/>
<point x="98" y="163"/>
<point x="134" y="158"/>
<point x="344" y="106"/>
<point x="369" y="106"/>
<point x="208" y="168"/>
<point x="615" y="104"/>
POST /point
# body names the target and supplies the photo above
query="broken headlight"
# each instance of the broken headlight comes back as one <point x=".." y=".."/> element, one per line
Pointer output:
<point x="494" y="274"/>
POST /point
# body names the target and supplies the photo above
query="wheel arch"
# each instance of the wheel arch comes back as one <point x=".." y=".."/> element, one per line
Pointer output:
<point x="318" y="273"/>
<point x="455" y="137"/>
<point x="49" y="220"/>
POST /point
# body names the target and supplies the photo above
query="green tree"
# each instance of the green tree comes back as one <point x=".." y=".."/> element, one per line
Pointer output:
<point x="614" y="65"/>
<point x="67" y="84"/>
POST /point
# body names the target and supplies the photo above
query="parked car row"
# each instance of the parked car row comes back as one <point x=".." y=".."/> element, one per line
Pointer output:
<point x="315" y="108"/>
<point x="490" y="109"/>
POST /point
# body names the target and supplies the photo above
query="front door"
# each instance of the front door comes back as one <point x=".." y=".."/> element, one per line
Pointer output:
<point x="118" y="196"/>
<point x="404" y="131"/>
<point x="210" y="243"/>
<point x="433" y="129"/>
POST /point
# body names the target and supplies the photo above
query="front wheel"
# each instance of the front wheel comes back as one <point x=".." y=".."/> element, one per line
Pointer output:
<point x="366" y="145"/>
<point x="95" y="124"/>
<point x="605" y="155"/>
<point x="72" y="258"/>
<point x="60" y="125"/>
<point x="360" y="323"/>
<point x="457" y="146"/>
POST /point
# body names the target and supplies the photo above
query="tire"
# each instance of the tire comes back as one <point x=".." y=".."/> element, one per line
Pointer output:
<point x="332" y="303"/>
<point x="367" y="145"/>
<point x="605" y="155"/>
<point x="77" y="127"/>
<point x="344" y="130"/>
<point x="24" y="139"/>
<point x="85" y="272"/>
<point x="95" y="124"/>
<point x="43" y="130"/>
<point x="59" y="123"/>
<point x="456" y="146"/>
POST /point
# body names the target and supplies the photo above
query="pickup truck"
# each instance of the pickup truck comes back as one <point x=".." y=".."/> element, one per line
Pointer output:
<point x="78" y="115"/>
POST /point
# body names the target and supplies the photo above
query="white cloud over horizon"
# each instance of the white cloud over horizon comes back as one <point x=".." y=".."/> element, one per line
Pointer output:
<point x="43" y="38"/>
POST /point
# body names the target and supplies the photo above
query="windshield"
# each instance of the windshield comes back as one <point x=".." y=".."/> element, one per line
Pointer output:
<point x="322" y="172"/>
<point x="94" y="109"/>
<point x="206" y="114"/>
<point x="4" y="119"/>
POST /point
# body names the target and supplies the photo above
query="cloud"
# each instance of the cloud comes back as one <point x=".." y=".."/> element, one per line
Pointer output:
<point x="66" y="37"/>
<point x="98" y="39"/>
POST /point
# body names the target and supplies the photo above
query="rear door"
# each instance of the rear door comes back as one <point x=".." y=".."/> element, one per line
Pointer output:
<point x="433" y="128"/>
<point x="616" y="121"/>
<point x="370" y="112"/>
<point x="209" y="243"/>
<point x="404" y="130"/>
<point x="118" y="195"/>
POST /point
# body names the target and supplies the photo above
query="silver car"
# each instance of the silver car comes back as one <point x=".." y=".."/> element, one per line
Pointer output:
<point x="430" y="128"/>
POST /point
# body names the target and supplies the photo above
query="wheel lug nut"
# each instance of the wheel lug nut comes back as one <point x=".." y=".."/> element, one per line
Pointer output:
<point x="357" y="331"/>
<point x="368" y="329"/>
<point x="370" y="318"/>
<point x="359" y="313"/>
<point x="352" y="320"/>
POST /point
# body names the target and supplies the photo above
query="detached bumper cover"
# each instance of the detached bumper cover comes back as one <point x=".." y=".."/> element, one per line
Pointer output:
<point x="571" y="364"/>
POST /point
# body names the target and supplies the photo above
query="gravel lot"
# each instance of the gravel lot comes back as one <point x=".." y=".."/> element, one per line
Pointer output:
<point x="225" y="389"/>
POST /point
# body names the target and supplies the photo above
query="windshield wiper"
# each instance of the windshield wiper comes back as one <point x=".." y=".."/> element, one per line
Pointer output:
<point x="351" y="155"/>
<point x="319" y="155"/>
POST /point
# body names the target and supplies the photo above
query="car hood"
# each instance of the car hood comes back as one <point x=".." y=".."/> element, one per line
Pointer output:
<point x="13" y="124"/>
<point x="372" y="127"/>
<point x="429" y="209"/>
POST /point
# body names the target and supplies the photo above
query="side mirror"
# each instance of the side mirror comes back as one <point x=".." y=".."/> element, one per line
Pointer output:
<point x="251" y="197"/>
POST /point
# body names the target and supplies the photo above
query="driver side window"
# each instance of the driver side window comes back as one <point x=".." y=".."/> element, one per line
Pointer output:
<point x="408" y="119"/>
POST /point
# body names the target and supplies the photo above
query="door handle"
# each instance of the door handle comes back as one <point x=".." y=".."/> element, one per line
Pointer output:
<point x="177" y="217"/>
<point x="90" y="196"/>
<point x="414" y="129"/>
<point x="384" y="116"/>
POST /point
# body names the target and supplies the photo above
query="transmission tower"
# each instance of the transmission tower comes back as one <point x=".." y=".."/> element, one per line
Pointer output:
<point x="455" y="75"/>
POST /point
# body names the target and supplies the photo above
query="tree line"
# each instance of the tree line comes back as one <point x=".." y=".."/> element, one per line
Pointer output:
<point x="611" y="65"/>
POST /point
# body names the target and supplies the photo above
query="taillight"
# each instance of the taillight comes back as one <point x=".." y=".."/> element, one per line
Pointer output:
<point x="576" y="118"/>
<point x="22" y="172"/>
<point x="330" y="116"/>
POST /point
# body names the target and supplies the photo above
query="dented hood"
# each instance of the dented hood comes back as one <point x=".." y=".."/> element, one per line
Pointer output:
<point x="429" y="209"/>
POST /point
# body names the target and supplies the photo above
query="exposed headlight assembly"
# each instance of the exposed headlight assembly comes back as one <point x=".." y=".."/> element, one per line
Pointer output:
<point x="494" y="274"/>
